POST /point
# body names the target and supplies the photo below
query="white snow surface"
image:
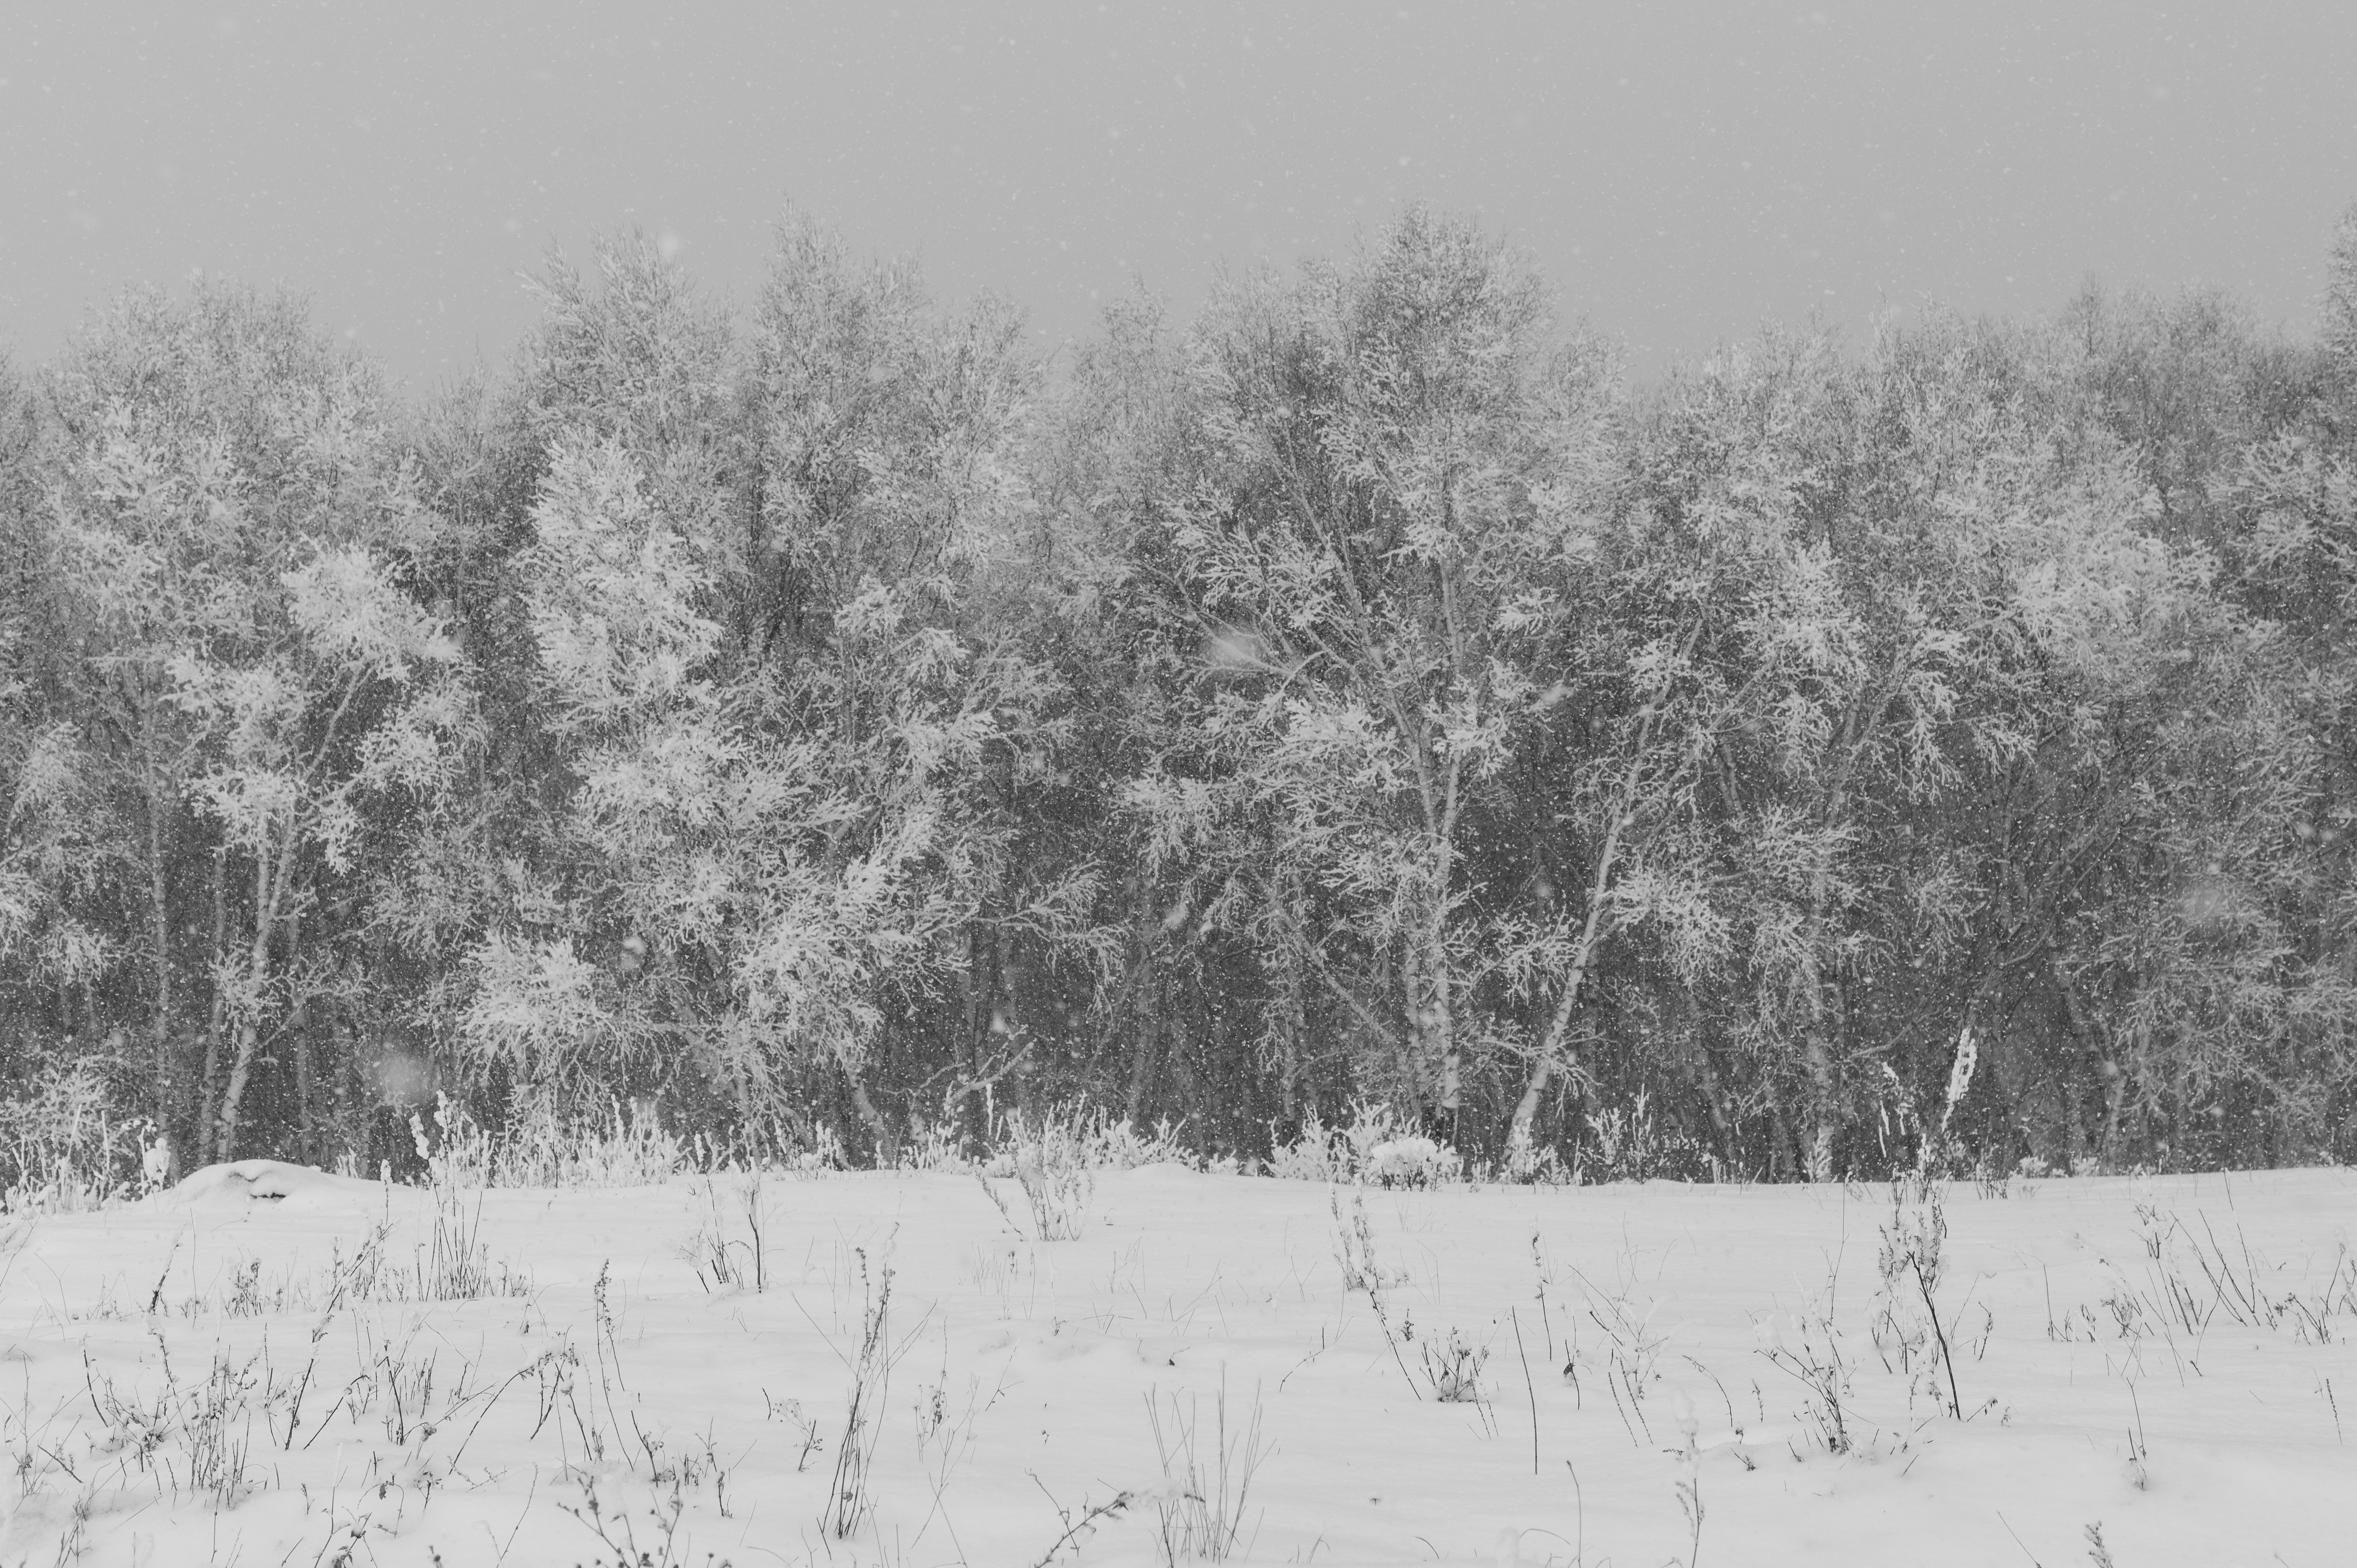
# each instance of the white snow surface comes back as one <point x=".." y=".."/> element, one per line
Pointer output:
<point x="151" y="1355"/>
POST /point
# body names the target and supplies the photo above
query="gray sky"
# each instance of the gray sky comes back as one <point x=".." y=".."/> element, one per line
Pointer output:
<point x="1682" y="171"/>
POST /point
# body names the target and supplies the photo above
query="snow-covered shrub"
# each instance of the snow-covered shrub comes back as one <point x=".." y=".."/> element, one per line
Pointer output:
<point x="1054" y="1161"/>
<point x="1354" y="1246"/>
<point x="1048" y="1159"/>
<point x="719" y="1256"/>
<point x="629" y="1146"/>
<point x="1376" y="1146"/>
<point x="1813" y="1357"/>
<point x="458" y="1151"/>
<point x="1316" y="1154"/>
<point x="1085" y="1136"/>
<point x="933" y="1146"/>
<point x="539" y="1146"/>
<point x="1906" y="1325"/>
<point x="821" y="1152"/>
<point x="1527" y="1163"/>
<point x="1630" y="1144"/>
<point x="1410" y="1162"/>
<point x="1371" y="1127"/>
<point x="457" y="1263"/>
<point x="64" y="1145"/>
<point x="1120" y="1146"/>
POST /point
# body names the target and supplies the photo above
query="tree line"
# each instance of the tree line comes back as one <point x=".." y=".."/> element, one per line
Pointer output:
<point x="831" y="717"/>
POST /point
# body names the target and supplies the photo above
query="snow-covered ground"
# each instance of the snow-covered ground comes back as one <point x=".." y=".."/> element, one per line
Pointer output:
<point x="1641" y="1375"/>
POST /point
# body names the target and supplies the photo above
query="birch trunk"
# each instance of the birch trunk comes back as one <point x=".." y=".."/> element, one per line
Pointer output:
<point x="249" y="1022"/>
<point x="1593" y="931"/>
<point x="272" y="888"/>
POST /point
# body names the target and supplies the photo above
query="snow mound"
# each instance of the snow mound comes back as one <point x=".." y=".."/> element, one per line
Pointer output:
<point x="240" y="1183"/>
<point x="1157" y="1173"/>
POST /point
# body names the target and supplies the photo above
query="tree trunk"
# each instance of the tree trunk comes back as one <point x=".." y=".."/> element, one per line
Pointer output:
<point x="269" y="897"/>
<point x="1404" y="1045"/>
<point x="1435" y="1021"/>
<point x="1441" y="1007"/>
<point x="160" y="937"/>
<point x="887" y="1145"/>
<point x="1148" y="1057"/>
<point x="298" y="1039"/>
<point x="1784" y="1149"/>
<point x="1715" y="1098"/>
<point x="249" y="1042"/>
<point x="1294" y="986"/>
<point x="2089" y="1039"/>
<point x="208" y="1098"/>
<point x="1593" y="931"/>
<point x="972" y="1133"/>
<point x="1818" y="1056"/>
<point x="2116" y="1094"/>
<point x="1551" y="1060"/>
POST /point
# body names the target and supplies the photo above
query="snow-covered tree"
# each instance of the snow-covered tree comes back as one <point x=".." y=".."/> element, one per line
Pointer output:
<point x="750" y="597"/>
<point x="1379" y="545"/>
<point x="231" y="507"/>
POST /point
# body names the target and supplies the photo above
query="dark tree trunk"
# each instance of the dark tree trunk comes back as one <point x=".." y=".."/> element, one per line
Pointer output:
<point x="210" y="1091"/>
<point x="1143" y="1060"/>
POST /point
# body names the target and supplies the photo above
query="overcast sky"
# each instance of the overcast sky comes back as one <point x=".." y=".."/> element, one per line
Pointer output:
<point x="1682" y="171"/>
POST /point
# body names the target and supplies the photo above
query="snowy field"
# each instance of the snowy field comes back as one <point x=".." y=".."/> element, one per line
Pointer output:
<point x="1213" y="1368"/>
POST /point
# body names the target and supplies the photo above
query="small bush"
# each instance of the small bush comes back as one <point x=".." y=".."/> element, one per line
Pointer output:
<point x="1815" y="1359"/>
<point x="1208" y="1473"/>
<point x="542" y="1147"/>
<point x="1628" y="1144"/>
<point x="1316" y="1154"/>
<point x="1453" y="1367"/>
<point x="65" y="1145"/>
<point x="1049" y="1160"/>
<point x="1410" y="1162"/>
<point x="1908" y="1331"/>
<point x="1075" y="1134"/>
<point x="456" y="1264"/>
<point x="1376" y="1146"/>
